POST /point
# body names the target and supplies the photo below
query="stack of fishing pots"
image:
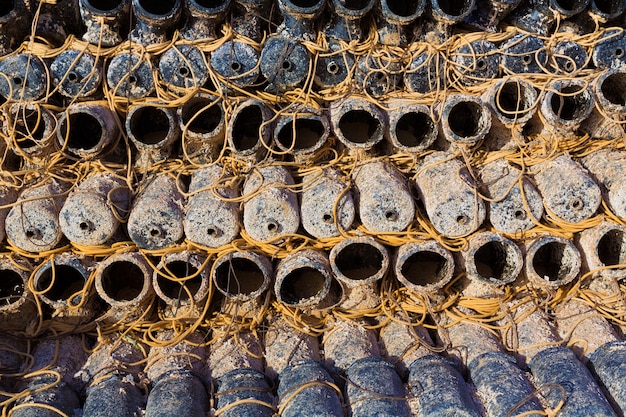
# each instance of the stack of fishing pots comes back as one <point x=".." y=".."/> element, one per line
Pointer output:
<point x="312" y="208"/>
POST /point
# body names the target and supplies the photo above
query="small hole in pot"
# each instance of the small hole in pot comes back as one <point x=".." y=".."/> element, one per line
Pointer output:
<point x="235" y="66"/>
<point x="619" y="52"/>
<point x="328" y="218"/>
<point x="84" y="226"/>
<point x="18" y="80"/>
<point x="520" y="214"/>
<point x="184" y="71"/>
<point x="391" y="215"/>
<point x="462" y="219"/>
<point x="155" y="232"/>
<point x="332" y="68"/>
<point x="72" y="77"/>
<point x="272" y="227"/>
<point x="527" y="59"/>
<point x="286" y="65"/>
<point x="577" y="203"/>
<point x="34" y="234"/>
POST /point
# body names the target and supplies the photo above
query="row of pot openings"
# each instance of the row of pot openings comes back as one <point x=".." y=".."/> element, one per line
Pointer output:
<point x="90" y="129"/>
<point x="307" y="279"/>
<point x="106" y="22"/>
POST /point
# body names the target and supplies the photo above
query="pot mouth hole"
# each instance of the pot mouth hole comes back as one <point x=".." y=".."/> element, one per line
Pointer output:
<point x="424" y="268"/>
<point x="612" y="248"/>
<point x="359" y="126"/>
<point x="466" y="119"/>
<point x="105" y="5"/>
<point x="403" y="8"/>
<point x="415" y="129"/>
<point x="7" y="7"/>
<point x="60" y="282"/>
<point x="181" y="288"/>
<point x="211" y="4"/>
<point x="302" y="284"/>
<point x="122" y="281"/>
<point x="511" y="100"/>
<point x="307" y="4"/>
<point x="81" y="131"/>
<point x="454" y="8"/>
<point x="246" y="128"/>
<point x="305" y="135"/>
<point x="551" y="261"/>
<point x="159" y="7"/>
<point x="613" y="88"/>
<point x="30" y="127"/>
<point x="355" y="5"/>
<point x="239" y="276"/>
<point x="359" y="261"/>
<point x="571" y="5"/>
<point x="12" y="287"/>
<point x="150" y="125"/>
<point x="570" y="103"/>
<point x="202" y="116"/>
<point x="492" y="261"/>
<point x="608" y="7"/>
